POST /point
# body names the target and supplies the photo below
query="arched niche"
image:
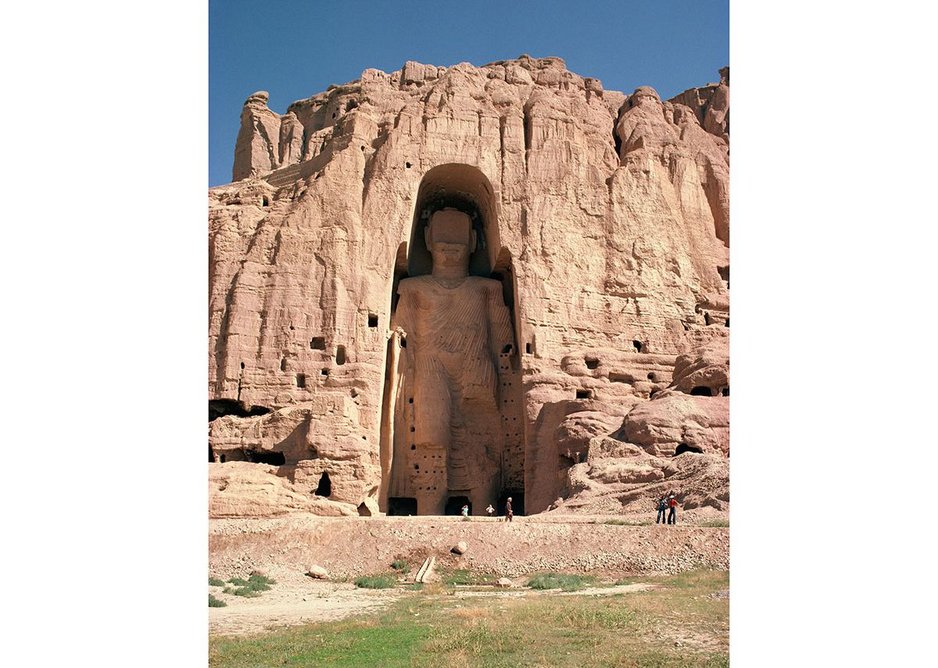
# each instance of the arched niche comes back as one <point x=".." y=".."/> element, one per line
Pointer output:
<point x="467" y="189"/>
<point x="462" y="187"/>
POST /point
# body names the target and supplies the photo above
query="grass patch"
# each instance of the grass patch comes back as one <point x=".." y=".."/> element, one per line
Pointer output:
<point x="627" y="523"/>
<point x="250" y="588"/>
<point x="215" y="582"/>
<point x="429" y="630"/>
<point x="715" y="523"/>
<point x="215" y="602"/>
<point x="464" y="577"/>
<point x="382" y="581"/>
<point x="400" y="565"/>
<point x="562" y="581"/>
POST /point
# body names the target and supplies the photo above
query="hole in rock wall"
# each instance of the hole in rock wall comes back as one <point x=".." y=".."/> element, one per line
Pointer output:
<point x="527" y="348"/>
<point x="403" y="342"/>
<point x="265" y="201"/>
<point x="517" y="502"/>
<point x="363" y="510"/>
<point x="324" y="372"/>
<point x="701" y="391"/>
<point x="318" y="343"/>
<point x="725" y="274"/>
<point x="211" y="455"/>
<point x="725" y="392"/>
<point x="637" y="345"/>
<point x="301" y="380"/>
<point x="455" y="503"/>
<point x="283" y="363"/>
<point x="340" y="355"/>
<point x="683" y="447"/>
<point x="584" y="394"/>
<point x="351" y="104"/>
<point x="592" y="363"/>
<point x="266" y="457"/>
<point x="219" y="407"/>
<point x="727" y="323"/>
<point x="407" y="165"/>
<point x="402" y="505"/>
<point x="325" y="485"/>
<point x="653" y="377"/>
<point x="372" y="320"/>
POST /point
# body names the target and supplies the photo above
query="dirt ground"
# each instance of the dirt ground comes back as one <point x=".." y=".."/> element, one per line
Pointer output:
<point x="284" y="549"/>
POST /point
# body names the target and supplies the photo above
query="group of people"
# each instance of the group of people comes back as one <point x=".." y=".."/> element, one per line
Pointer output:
<point x="490" y="510"/>
<point x="668" y="504"/>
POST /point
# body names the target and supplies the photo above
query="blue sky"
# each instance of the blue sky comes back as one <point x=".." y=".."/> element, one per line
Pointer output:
<point x="294" y="49"/>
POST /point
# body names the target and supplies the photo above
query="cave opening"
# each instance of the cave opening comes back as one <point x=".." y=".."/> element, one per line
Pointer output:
<point x="271" y="457"/>
<point x="317" y="343"/>
<point x="325" y="485"/>
<point x="701" y="391"/>
<point x="592" y="362"/>
<point x="220" y="407"/>
<point x="340" y="355"/>
<point x="402" y="505"/>
<point x="637" y="345"/>
<point x="684" y="447"/>
<point x="455" y="503"/>
<point x="517" y="502"/>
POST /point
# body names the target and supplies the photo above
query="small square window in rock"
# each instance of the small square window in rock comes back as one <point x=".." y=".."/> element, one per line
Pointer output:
<point x="592" y="363"/>
<point x="372" y="320"/>
<point x="584" y="394"/>
<point x="301" y="380"/>
<point x="318" y="343"/>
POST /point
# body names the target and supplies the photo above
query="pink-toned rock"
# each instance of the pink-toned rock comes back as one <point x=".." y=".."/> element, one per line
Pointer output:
<point x="600" y="221"/>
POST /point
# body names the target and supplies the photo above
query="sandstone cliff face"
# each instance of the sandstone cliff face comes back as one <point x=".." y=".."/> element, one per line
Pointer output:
<point x="603" y="215"/>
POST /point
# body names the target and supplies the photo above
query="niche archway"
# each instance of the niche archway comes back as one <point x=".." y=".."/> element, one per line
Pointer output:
<point x="467" y="189"/>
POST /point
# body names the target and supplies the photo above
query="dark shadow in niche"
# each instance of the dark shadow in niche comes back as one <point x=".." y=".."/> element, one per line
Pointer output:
<point x="517" y="502"/>
<point x="637" y="345"/>
<point x="318" y="343"/>
<point x="402" y="505"/>
<point x="325" y="485"/>
<point x="584" y="394"/>
<point x="725" y="392"/>
<point x="701" y="391"/>
<point x="592" y="363"/>
<point x="270" y="457"/>
<point x="340" y="355"/>
<point x="455" y="503"/>
<point x="372" y="320"/>
<point x="683" y="447"/>
<point x="219" y="407"/>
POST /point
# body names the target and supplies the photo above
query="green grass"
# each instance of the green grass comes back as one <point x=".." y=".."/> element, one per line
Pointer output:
<point x="627" y="523"/>
<point x="429" y="630"/>
<point x="464" y="577"/>
<point x="715" y="523"/>
<point x="215" y="582"/>
<point x="400" y="565"/>
<point x="565" y="582"/>
<point x="382" y="581"/>
<point x="250" y="588"/>
<point x="215" y="602"/>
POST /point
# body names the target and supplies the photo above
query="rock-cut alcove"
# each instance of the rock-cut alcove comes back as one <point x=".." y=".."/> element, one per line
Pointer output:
<point x="452" y="423"/>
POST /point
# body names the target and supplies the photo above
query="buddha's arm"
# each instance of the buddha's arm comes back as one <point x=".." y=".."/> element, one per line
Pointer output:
<point x="500" y="331"/>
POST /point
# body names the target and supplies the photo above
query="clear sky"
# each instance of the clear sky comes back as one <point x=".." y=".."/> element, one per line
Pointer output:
<point x="294" y="49"/>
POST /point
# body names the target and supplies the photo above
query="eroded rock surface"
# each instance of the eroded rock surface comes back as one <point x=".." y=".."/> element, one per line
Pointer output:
<point x="602" y="217"/>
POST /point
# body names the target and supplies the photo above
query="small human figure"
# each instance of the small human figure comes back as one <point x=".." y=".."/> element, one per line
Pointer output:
<point x="508" y="513"/>
<point x="662" y="506"/>
<point x="490" y="510"/>
<point x="465" y="511"/>
<point x="672" y="512"/>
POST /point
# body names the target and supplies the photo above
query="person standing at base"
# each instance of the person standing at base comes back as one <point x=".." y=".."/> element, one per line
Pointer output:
<point x="490" y="510"/>
<point x="508" y="512"/>
<point x="672" y="512"/>
<point x="465" y="511"/>
<point x="662" y="507"/>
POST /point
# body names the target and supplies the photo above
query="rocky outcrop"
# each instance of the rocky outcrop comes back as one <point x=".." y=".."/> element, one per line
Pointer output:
<point x="604" y="217"/>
